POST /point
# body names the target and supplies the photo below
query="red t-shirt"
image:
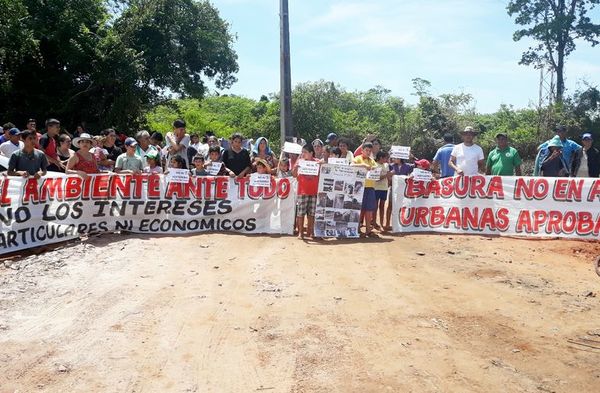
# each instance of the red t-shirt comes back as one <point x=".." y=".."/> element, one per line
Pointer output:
<point x="48" y="145"/>
<point x="307" y="185"/>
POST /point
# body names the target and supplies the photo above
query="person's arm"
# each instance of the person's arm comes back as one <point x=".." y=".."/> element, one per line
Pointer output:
<point x="518" y="171"/>
<point x="248" y="168"/>
<point x="44" y="142"/>
<point x="119" y="166"/>
<point x="517" y="163"/>
<point x="43" y="168"/>
<point x="481" y="166"/>
<point x="452" y="164"/>
<point x="295" y="171"/>
<point x="551" y="157"/>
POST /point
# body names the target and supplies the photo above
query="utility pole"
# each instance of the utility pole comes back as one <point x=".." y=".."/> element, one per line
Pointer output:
<point x="285" y="94"/>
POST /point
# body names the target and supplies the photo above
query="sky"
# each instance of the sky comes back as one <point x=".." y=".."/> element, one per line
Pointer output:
<point x="458" y="45"/>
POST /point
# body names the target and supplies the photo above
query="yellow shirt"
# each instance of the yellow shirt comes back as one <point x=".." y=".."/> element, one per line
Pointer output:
<point x="382" y="185"/>
<point x="371" y="163"/>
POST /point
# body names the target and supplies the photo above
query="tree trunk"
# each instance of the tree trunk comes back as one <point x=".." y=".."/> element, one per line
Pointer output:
<point x="560" y="80"/>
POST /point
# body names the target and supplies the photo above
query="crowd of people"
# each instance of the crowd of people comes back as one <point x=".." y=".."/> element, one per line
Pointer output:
<point x="31" y="153"/>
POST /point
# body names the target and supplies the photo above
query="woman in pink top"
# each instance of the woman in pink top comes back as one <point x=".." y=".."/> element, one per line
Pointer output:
<point x="82" y="162"/>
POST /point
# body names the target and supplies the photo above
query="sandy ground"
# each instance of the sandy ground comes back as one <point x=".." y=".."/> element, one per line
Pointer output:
<point x="232" y="313"/>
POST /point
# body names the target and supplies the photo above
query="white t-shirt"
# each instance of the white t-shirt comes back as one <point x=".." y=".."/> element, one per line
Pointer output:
<point x="467" y="158"/>
<point x="8" y="148"/>
<point x="183" y="152"/>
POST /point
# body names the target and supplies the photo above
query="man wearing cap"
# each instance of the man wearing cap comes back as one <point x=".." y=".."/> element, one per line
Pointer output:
<point x="442" y="157"/>
<point x="48" y="145"/>
<point x="5" y="129"/>
<point x="28" y="161"/>
<point x="129" y="162"/>
<point x="586" y="161"/>
<point x="13" y="143"/>
<point x="504" y="160"/>
<point x="568" y="146"/>
<point x="177" y="142"/>
<point x="467" y="158"/>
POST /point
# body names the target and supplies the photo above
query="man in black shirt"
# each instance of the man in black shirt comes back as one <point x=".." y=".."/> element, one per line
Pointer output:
<point x="236" y="158"/>
<point x="109" y="145"/>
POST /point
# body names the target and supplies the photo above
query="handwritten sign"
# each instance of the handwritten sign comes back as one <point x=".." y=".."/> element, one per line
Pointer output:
<point x="310" y="168"/>
<point x="421" y="175"/>
<point x="214" y="168"/>
<point x="402" y="152"/>
<point x="176" y="175"/>
<point x="260" y="180"/>
<point x="374" y="174"/>
<point x="337" y="161"/>
<point x="292" y="148"/>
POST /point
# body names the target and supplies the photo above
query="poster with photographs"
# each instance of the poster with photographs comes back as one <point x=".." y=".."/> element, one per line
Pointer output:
<point x="339" y="201"/>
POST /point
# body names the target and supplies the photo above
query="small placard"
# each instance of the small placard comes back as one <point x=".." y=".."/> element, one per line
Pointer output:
<point x="310" y="168"/>
<point x="402" y="152"/>
<point x="176" y="175"/>
<point x="421" y="175"/>
<point x="214" y="168"/>
<point x="337" y="161"/>
<point x="292" y="148"/>
<point x="374" y="174"/>
<point x="260" y="180"/>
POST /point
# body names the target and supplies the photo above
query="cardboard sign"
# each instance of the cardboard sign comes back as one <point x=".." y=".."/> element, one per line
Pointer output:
<point x="402" y="152"/>
<point x="176" y="175"/>
<point x="374" y="174"/>
<point x="310" y="168"/>
<point x="214" y="168"/>
<point x="292" y="148"/>
<point x="337" y="161"/>
<point x="421" y="175"/>
<point x="260" y="180"/>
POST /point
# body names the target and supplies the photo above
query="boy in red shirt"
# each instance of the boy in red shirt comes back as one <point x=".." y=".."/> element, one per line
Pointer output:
<point x="308" y="187"/>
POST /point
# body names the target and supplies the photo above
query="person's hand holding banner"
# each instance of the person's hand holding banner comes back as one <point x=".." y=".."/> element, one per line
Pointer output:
<point x="214" y="168"/>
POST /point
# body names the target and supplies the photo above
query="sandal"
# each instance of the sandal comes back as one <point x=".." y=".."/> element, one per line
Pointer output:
<point x="372" y="235"/>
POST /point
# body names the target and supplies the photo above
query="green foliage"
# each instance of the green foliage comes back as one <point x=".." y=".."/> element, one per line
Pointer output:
<point x="69" y="59"/>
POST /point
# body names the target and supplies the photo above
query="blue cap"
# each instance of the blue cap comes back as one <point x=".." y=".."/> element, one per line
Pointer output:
<point x="130" y="142"/>
<point x="331" y="137"/>
<point x="587" y="135"/>
<point x="14" y="132"/>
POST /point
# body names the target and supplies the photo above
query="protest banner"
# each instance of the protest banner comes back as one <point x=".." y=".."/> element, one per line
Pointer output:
<point x="35" y="212"/>
<point x="494" y="205"/>
<point x="401" y="152"/>
<point x="258" y="180"/>
<point x="310" y="168"/>
<point x="176" y="175"/>
<point x="339" y="201"/>
<point x="421" y="175"/>
<point x="292" y="148"/>
<point x="337" y="161"/>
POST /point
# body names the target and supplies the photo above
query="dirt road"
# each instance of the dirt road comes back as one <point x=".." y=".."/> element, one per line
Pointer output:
<point x="230" y="313"/>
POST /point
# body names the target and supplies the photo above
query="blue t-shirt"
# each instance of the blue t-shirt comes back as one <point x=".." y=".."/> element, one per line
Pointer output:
<point x="443" y="156"/>
<point x="569" y="147"/>
<point x="3" y="139"/>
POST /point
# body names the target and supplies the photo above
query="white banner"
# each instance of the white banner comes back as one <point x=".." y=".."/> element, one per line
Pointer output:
<point x="339" y="201"/>
<point x="402" y="152"/>
<point x="56" y="208"/>
<point x="494" y="205"/>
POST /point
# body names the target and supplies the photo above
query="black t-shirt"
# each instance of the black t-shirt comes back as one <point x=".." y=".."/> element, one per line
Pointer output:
<point x="113" y="152"/>
<point x="236" y="162"/>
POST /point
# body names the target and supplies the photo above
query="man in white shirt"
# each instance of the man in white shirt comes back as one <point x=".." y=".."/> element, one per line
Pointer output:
<point x="177" y="142"/>
<point x="13" y="143"/>
<point x="467" y="158"/>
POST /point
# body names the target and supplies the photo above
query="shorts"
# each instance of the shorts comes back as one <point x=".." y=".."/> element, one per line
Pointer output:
<point x="306" y="205"/>
<point x="369" y="202"/>
<point x="381" y="195"/>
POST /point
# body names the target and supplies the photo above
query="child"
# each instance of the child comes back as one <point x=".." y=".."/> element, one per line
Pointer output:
<point x="152" y="159"/>
<point x="381" y="187"/>
<point x="177" y="162"/>
<point x="199" y="170"/>
<point x="262" y="167"/>
<point x="308" y="187"/>
<point x="423" y="164"/>
<point x="100" y="153"/>
<point x="369" y="203"/>
<point x="283" y="170"/>
<point x="214" y="156"/>
<point x="336" y="152"/>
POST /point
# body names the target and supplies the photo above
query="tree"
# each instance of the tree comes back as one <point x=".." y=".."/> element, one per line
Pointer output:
<point x="554" y="25"/>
